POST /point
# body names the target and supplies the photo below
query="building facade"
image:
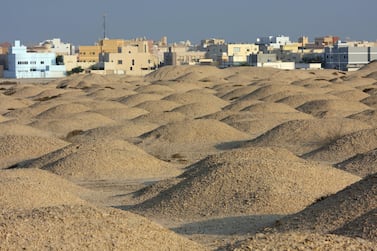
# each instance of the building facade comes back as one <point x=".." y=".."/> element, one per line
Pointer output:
<point x="23" y="64"/>
<point x="130" y="60"/>
<point x="183" y="56"/>
<point x="231" y="54"/>
<point x="348" y="58"/>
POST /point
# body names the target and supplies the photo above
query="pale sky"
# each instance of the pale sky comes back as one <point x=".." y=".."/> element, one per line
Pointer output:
<point x="81" y="21"/>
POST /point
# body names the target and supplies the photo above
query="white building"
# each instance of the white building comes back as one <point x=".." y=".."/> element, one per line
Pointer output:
<point x="274" y="42"/>
<point x="23" y="64"/>
<point x="57" y="46"/>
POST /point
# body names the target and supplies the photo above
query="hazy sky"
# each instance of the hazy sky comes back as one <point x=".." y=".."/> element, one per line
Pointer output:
<point x="80" y="21"/>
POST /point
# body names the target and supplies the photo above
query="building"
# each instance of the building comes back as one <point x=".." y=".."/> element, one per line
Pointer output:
<point x="23" y="64"/>
<point x="343" y="57"/>
<point x="183" y="56"/>
<point x="130" y="60"/>
<point x="321" y="42"/>
<point x="55" y="45"/>
<point x="231" y="54"/>
<point x="273" y="42"/>
<point x="211" y="41"/>
<point x="259" y="59"/>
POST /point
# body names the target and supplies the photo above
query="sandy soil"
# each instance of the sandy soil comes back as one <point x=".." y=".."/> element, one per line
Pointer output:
<point x="190" y="158"/>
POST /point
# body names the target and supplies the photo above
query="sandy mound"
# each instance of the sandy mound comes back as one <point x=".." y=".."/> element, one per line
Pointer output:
<point x="16" y="148"/>
<point x="32" y="188"/>
<point x="364" y="227"/>
<point x="28" y="113"/>
<point x="103" y="159"/>
<point x="77" y="121"/>
<point x="302" y="241"/>
<point x="361" y="164"/>
<point x="237" y="92"/>
<point x="160" y="118"/>
<point x="197" y="96"/>
<point x="368" y="116"/>
<point x="127" y="129"/>
<point x="267" y="107"/>
<point x="11" y="127"/>
<point x="331" y="108"/>
<point x="189" y="138"/>
<point x="136" y="99"/>
<point x="197" y="110"/>
<point x="183" y="73"/>
<point x="9" y="103"/>
<point x="248" y="181"/>
<point x="25" y="90"/>
<point x="85" y="228"/>
<point x="335" y="211"/>
<point x="158" y="105"/>
<point x="122" y="114"/>
<point x="62" y="110"/>
<point x="275" y="88"/>
<point x="351" y="95"/>
<point x="257" y="123"/>
<point x="195" y="131"/>
<point x="110" y="93"/>
<point x="155" y="89"/>
<point x="301" y="98"/>
<point x="303" y="136"/>
<point x="346" y="146"/>
<point x="370" y="101"/>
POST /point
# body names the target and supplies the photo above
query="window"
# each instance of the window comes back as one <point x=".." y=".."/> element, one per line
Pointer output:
<point x="120" y="62"/>
<point x="133" y="61"/>
<point x="236" y="49"/>
<point x="131" y="68"/>
<point x="33" y="62"/>
<point x="42" y="62"/>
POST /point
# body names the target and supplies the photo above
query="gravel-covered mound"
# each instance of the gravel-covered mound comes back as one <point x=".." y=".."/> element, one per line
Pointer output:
<point x="247" y="181"/>
<point x="346" y="146"/>
<point x="102" y="159"/>
<point x="361" y="164"/>
<point x="303" y="136"/>
<point x="335" y="211"/>
<point x="84" y="227"/>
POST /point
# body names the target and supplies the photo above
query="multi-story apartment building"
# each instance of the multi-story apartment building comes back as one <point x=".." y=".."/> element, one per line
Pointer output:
<point x="91" y="53"/>
<point x="182" y="55"/>
<point x="130" y="60"/>
<point x="23" y="64"/>
<point x="231" y="54"/>
<point x="343" y="57"/>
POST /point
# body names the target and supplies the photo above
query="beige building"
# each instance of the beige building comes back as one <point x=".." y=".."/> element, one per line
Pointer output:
<point x="91" y="53"/>
<point x="183" y="56"/>
<point x="233" y="54"/>
<point x="130" y="60"/>
<point x="71" y="62"/>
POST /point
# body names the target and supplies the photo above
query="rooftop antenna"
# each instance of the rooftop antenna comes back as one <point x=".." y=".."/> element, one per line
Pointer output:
<point x="104" y="26"/>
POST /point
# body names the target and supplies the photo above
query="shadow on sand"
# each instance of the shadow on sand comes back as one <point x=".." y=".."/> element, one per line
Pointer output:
<point x="239" y="225"/>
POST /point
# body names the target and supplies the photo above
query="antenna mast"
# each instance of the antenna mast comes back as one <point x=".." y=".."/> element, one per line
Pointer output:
<point x="104" y="26"/>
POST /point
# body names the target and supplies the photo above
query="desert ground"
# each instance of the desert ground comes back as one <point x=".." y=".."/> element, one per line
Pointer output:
<point x="190" y="158"/>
